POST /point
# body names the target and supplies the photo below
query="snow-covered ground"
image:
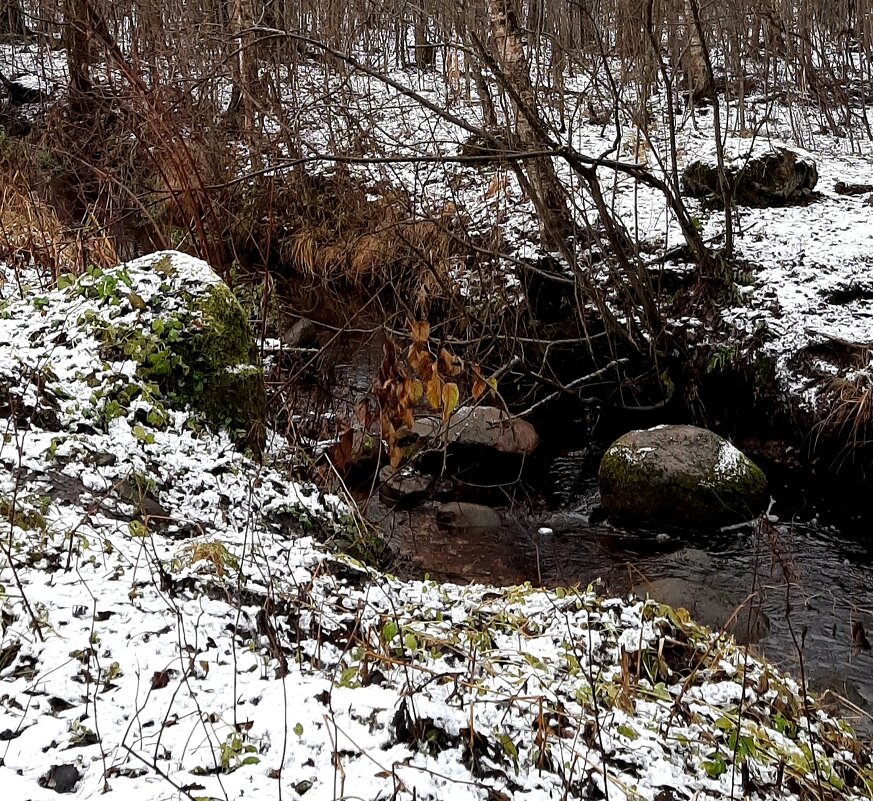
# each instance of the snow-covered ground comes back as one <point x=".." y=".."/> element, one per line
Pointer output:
<point x="170" y="630"/>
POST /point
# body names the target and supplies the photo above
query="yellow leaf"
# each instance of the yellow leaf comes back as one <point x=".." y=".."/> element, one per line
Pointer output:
<point x="414" y="390"/>
<point x="450" y="399"/>
<point x="434" y="391"/>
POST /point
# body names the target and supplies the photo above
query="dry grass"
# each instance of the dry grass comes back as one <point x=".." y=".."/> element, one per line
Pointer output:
<point x="850" y="418"/>
<point x="329" y="229"/>
<point x="32" y="232"/>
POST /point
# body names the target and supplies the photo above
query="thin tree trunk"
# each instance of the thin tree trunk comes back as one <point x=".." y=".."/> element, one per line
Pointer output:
<point x="79" y="45"/>
<point x="699" y="84"/>
<point x="556" y="222"/>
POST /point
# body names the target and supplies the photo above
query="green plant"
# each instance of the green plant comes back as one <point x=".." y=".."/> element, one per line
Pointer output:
<point x="236" y="752"/>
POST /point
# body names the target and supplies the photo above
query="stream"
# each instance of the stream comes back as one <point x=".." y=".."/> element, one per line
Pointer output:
<point x="800" y="591"/>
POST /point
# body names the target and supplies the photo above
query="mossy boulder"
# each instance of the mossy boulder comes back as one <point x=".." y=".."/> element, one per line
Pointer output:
<point x="775" y="178"/>
<point x="188" y="336"/>
<point x="680" y="477"/>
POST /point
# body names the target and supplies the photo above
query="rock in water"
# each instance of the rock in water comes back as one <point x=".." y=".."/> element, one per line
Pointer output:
<point x="774" y="178"/>
<point x="481" y="427"/>
<point x="680" y="477"/>
<point x="457" y="514"/>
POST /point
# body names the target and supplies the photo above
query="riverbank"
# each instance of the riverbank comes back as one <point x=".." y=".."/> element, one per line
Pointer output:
<point x="171" y="626"/>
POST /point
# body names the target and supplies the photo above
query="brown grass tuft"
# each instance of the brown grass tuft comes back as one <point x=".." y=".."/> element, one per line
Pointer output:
<point x="329" y="229"/>
<point x="31" y="232"/>
<point x="850" y="416"/>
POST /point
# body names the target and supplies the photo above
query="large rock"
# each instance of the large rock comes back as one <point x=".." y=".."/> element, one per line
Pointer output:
<point x="480" y="427"/>
<point x="191" y="338"/>
<point x="143" y="340"/>
<point x="774" y="178"/>
<point x="680" y="477"/>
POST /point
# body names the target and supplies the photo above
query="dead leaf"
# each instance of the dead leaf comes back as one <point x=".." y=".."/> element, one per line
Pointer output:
<point x="449" y="363"/>
<point x="420" y="331"/>
<point x="160" y="679"/>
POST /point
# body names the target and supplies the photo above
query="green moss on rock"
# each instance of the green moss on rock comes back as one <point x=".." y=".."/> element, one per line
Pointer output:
<point x="680" y="477"/>
<point x="191" y="342"/>
<point x="232" y="391"/>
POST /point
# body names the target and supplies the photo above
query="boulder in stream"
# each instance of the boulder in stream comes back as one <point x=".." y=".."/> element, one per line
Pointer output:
<point x="458" y="514"/>
<point x="480" y="427"/>
<point x="680" y="477"/>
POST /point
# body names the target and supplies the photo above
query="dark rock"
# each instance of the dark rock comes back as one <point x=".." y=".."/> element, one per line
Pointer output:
<point x="61" y="778"/>
<point x="301" y="335"/>
<point x="833" y="685"/>
<point x="842" y="188"/>
<point x="467" y="515"/>
<point x="404" y="487"/>
<point x="680" y="477"/>
<point x="481" y="427"/>
<point x="24" y="89"/>
<point x="777" y="178"/>
<point x="481" y="150"/>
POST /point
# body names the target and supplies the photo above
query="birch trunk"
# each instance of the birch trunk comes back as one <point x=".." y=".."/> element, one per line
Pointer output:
<point x="556" y="222"/>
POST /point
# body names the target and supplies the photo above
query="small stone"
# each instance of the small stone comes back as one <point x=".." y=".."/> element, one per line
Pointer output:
<point x="457" y="514"/>
<point x="403" y="487"/>
<point x="61" y="778"/>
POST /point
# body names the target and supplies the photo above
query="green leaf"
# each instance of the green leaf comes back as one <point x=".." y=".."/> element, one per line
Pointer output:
<point x="410" y="642"/>
<point x="715" y="765"/>
<point x="627" y="731"/>
<point x="389" y="631"/>
<point x="136" y="301"/>
<point x="508" y="748"/>
<point x="535" y="663"/>
<point x="298" y="729"/>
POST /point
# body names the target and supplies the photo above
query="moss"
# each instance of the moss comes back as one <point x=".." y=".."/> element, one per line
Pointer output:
<point x="202" y="355"/>
<point x="661" y="491"/>
<point x="228" y="383"/>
